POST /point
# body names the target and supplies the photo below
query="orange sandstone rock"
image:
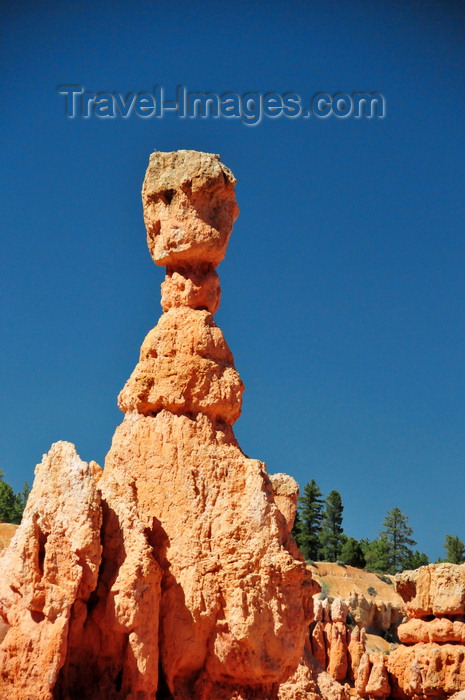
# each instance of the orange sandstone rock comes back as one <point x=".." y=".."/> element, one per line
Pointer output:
<point x="197" y="288"/>
<point x="116" y="654"/>
<point x="189" y="208"/>
<point x="318" y="643"/>
<point x="363" y="674"/>
<point x="376" y="613"/>
<point x="49" y="572"/>
<point x="441" y="630"/>
<point x="339" y="610"/>
<point x="185" y="367"/>
<point x="286" y="496"/>
<point x="310" y="682"/>
<point x="7" y="530"/>
<point x="436" y="589"/>
<point x="422" y="670"/>
<point x="321" y="609"/>
<point x="235" y="593"/>
<point x="336" y="645"/>
<point x="432" y="666"/>
<point x="378" y="682"/>
<point x="227" y="552"/>
<point x="355" y="650"/>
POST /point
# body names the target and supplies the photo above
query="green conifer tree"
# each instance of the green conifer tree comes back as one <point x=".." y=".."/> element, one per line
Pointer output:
<point x="332" y="535"/>
<point x="397" y="532"/>
<point x="310" y="516"/>
<point x="455" y="549"/>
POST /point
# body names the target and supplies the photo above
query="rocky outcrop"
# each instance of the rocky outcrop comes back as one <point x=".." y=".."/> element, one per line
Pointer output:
<point x="115" y="654"/>
<point x="341" y="650"/>
<point x="441" y="630"/>
<point x="371" y="679"/>
<point x="426" y="670"/>
<point x="174" y="573"/>
<point x="310" y="681"/>
<point x="337" y="647"/>
<point x="372" y="599"/>
<point x="437" y="589"/>
<point x="374" y="614"/>
<point x="189" y="210"/>
<point x="431" y="661"/>
<point x="286" y="496"/>
<point x="48" y="573"/>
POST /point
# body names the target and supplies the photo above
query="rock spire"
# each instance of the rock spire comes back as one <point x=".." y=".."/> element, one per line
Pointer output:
<point x="173" y="574"/>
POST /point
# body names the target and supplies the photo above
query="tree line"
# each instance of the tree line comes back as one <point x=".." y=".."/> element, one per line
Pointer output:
<point x="319" y="533"/>
<point x="12" y="504"/>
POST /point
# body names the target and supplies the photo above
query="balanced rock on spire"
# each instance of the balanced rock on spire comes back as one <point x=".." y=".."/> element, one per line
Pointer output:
<point x="178" y="577"/>
<point x="189" y="208"/>
<point x="235" y="593"/>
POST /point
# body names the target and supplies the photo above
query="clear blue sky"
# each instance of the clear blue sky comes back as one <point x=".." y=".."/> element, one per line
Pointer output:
<point x="343" y="287"/>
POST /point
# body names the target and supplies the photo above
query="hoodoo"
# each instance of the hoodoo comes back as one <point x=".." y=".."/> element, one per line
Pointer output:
<point x="173" y="574"/>
<point x="233" y="609"/>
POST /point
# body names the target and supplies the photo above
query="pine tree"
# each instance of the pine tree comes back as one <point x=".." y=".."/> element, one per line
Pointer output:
<point x="310" y="516"/>
<point x="7" y="502"/>
<point x="397" y="532"/>
<point x="377" y="554"/>
<point x="12" y="505"/>
<point x="415" y="560"/>
<point x="352" y="553"/>
<point x="297" y="529"/>
<point x="455" y="549"/>
<point x="332" y="535"/>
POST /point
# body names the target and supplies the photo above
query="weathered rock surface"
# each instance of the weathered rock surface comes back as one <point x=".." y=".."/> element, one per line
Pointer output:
<point x="434" y="664"/>
<point x="427" y="670"/>
<point x="286" y="496"/>
<point x="378" y="682"/>
<point x="355" y="650"/>
<point x="339" y="610"/>
<point x="227" y="553"/>
<point x="441" y="629"/>
<point x="437" y="589"/>
<point x="318" y="643"/>
<point x="372" y="600"/>
<point x="185" y="367"/>
<point x="189" y="208"/>
<point x="310" y="682"/>
<point x="116" y="653"/>
<point x="334" y="645"/>
<point x="48" y="573"/>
